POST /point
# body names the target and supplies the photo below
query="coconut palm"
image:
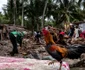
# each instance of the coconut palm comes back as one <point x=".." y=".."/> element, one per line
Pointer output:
<point x="34" y="11"/>
<point x="66" y="11"/>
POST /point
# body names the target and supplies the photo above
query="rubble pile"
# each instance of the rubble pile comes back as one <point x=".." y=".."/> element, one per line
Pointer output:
<point x="30" y="49"/>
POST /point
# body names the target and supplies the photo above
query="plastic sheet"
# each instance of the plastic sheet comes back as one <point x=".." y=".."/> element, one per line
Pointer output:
<point x="10" y="63"/>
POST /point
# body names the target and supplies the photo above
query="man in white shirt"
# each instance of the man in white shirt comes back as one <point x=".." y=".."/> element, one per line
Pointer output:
<point x="76" y="32"/>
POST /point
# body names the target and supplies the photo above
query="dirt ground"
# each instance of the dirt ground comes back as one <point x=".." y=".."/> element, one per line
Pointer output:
<point x="31" y="50"/>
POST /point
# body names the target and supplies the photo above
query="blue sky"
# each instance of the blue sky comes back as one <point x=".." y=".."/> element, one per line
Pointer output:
<point x="1" y="4"/>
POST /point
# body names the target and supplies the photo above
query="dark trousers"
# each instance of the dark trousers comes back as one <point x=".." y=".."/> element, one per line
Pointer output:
<point x="14" y="43"/>
<point x="19" y="41"/>
<point x="38" y="36"/>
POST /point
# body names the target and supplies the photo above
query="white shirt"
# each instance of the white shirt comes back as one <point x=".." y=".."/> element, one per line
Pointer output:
<point x="76" y="32"/>
<point x="35" y="33"/>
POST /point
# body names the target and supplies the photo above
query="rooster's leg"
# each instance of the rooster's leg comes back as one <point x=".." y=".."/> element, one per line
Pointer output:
<point x="52" y="62"/>
<point x="60" y="65"/>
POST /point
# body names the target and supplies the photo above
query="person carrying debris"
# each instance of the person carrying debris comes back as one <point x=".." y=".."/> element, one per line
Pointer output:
<point x="38" y="36"/>
<point x="16" y="37"/>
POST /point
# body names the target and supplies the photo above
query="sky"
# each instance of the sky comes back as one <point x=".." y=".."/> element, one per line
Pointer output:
<point x="2" y="2"/>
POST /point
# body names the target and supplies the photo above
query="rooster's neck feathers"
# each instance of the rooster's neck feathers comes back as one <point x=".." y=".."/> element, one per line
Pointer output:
<point x="49" y="39"/>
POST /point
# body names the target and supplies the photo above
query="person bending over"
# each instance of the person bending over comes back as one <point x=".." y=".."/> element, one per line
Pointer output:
<point x="16" y="37"/>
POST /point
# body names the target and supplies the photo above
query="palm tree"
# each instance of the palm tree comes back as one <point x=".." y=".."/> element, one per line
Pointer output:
<point x="23" y="2"/>
<point x="15" y="11"/>
<point x="63" y="11"/>
<point x="66" y="11"/>
<point x="9" y="10"/>
<point x="34" y="11"/>
<point x="44" y="14"/>
<point x="22" y="13"/>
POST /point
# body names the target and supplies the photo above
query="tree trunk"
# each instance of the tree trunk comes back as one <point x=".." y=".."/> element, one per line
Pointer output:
<point x="44" y="14"/>
<point x="37" y="21"/>
<point x="22" y="14"/>
<point x="37" y="27"/>
<point x="33" y="20"/>
<point x="14" y="12"/>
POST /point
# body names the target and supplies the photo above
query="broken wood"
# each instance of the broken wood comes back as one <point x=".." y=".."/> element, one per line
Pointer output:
<point x="80" y="63"/>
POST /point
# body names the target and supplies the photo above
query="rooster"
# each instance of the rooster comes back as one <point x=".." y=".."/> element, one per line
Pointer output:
<point x="58" y="52"/>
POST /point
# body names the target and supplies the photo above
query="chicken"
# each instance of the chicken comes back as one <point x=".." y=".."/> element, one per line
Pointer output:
<point x="58" y="52"/>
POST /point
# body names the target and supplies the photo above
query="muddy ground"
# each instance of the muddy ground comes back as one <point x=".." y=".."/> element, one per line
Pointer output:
<point x="32" y="50"/>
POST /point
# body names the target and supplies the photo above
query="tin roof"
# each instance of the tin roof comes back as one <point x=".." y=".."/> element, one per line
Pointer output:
<point x="79" y="22"/>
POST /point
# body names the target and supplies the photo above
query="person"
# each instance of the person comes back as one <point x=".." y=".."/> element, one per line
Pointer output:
<point x="72" y="29"/>
<point x="16" y="37"/>
<point x="34" y="35"/>
<point x="76" y="32"/>
<point x="38" y="36"/>
<point x="82" y="34"/>
<point x="61" y="38"/>
<point x="71" y="33"/>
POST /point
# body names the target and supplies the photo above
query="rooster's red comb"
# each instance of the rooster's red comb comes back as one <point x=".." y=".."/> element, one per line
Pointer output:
<point x="45" y="31"/>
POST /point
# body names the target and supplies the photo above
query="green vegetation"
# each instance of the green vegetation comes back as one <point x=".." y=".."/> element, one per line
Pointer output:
<point x="29" y="13"/>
